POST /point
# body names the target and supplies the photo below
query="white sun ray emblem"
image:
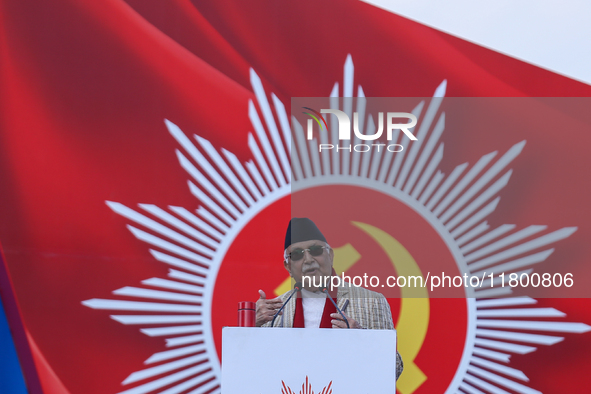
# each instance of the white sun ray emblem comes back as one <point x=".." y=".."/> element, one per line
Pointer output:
<point x="194" y="244"/>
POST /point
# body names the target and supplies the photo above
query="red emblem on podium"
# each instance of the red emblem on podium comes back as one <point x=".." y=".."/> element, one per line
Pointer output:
<point x="306" y="388"/>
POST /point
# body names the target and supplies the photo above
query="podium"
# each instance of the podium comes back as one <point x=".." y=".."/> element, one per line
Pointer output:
<point x="319" y="361"/>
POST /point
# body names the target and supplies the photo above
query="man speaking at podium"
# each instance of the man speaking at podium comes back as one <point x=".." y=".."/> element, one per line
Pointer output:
<point x="308" y="258"/>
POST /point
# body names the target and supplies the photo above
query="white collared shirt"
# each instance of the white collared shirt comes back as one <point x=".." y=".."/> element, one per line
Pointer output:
<point x="313" y="308"/>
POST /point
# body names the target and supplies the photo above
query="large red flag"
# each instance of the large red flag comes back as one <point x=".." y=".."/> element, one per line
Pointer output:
<point x="116" y="296"/>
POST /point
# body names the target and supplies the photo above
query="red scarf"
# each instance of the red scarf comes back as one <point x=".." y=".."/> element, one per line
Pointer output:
<point x="325" y="322"/>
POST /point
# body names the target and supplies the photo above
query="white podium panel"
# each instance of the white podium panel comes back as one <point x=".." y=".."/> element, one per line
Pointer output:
<point x="276" y="360"/>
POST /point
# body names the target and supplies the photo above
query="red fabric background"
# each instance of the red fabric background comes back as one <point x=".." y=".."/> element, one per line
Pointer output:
<point x="85" y="87"/>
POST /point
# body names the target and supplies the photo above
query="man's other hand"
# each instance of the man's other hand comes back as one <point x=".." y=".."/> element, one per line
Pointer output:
<point x="266" y="309"/>
<point x="338" y="322"/>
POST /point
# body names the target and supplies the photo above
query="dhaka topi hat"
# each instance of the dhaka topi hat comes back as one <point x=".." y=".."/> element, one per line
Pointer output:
<point x="302" y="229"/>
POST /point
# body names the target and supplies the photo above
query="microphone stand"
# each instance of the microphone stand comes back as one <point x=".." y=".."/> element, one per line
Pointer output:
<point x="325" y="290"/>
<point x="297" y="287"/>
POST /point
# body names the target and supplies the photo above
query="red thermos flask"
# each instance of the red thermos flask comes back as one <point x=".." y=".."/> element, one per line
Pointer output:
<point x="246" y="314"/>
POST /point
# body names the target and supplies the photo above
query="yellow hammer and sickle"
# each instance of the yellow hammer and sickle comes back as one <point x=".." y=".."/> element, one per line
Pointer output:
<point x="413" y="320"/>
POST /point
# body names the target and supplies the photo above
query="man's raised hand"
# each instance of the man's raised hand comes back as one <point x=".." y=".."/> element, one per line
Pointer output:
<point x="266" y="309"/>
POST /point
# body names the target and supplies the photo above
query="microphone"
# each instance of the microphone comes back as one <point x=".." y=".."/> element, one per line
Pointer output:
<point x="297" y="287"/>
<point x="325" y="290"/>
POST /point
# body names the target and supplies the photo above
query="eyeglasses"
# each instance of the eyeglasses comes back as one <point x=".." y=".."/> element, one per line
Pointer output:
<point x="314" y="250"/>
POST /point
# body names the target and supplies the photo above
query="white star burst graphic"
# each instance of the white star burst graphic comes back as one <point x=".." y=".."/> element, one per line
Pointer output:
<point x="194" y="244"/>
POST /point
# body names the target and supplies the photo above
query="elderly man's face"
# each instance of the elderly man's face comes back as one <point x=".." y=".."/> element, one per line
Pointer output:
<point x="313" y="267"/>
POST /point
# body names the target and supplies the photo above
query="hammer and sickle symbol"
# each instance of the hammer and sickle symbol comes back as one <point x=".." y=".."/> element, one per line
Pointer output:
<point x="413" y="320"/>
